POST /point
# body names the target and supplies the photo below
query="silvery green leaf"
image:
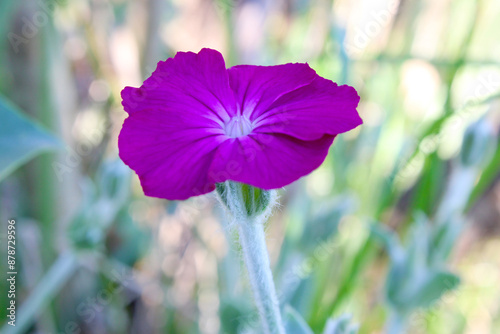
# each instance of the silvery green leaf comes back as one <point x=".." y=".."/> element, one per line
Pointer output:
<point x="340" y="325"/>
<point x="390" y="242"/>
<point x="114" y="181"/>
<point x="478" y="144"/>
<point x="435" y="285"/>
<point x="412" y="282"/>
<point x="443" y="239"/>
<point x="21" y="139"/>
<point x="294" y="323"/>
<point x="325" y="220"/>
<point x="103" y="200"/>
<point x="417" y="250"/>
<point x="458" y="190"/>
<point x="398" y="271"/>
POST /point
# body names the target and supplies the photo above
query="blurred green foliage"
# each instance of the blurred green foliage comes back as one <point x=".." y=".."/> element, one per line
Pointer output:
<point x="420" y="177"/>
<point x="21" y="139"/>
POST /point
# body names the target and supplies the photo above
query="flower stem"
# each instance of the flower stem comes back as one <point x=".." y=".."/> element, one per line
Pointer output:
<point x="253" y="244"/>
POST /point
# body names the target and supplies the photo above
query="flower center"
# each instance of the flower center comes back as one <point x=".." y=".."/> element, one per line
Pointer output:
<point x="238" y="126"/>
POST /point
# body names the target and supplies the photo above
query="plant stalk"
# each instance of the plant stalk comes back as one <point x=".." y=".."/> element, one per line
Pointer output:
<point x="253" y="244"/>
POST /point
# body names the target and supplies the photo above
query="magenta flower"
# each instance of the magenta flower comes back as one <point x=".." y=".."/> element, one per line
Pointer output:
<point x="194" y="123"/>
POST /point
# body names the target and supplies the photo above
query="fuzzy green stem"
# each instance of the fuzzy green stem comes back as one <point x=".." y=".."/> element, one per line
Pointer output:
<point x="249" y="207"/>
<point x="253" y="244"/>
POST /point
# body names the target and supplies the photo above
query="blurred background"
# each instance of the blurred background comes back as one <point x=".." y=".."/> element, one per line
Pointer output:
<point x="399" y="229"/>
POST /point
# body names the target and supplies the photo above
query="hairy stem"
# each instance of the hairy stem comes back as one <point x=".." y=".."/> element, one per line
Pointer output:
<point x="253" y="244"/>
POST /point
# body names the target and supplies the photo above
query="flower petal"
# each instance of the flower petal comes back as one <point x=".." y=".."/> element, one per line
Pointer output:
<point x="193" y="84"/>
<point x="257" y="87"/>
<point x="267" y="161"/>
<point x="312" y="111"/>
<point x="170" y="159"/>
<point x="175" y="136"/>
<point x="175" y="123"/>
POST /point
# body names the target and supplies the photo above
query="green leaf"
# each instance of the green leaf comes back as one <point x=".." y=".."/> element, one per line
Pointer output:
<point x="324" y="221"/>
<point x="101" y="205"/>
<point x="340" y="325"/>
<point x="444" y="237"/>
<point x="479" y="144"/>
<point x="486" y="178"/>
<point x="436" y="285"/>
<point x="390" y="241"/>
<point x="20" y="139"/>
<point x="294" y="323"/>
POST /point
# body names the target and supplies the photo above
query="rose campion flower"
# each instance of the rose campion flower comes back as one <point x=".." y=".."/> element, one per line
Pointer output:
<point x="193" y="123"/>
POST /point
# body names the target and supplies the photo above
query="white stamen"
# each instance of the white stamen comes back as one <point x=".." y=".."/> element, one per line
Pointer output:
<point x="238" y="126"/>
